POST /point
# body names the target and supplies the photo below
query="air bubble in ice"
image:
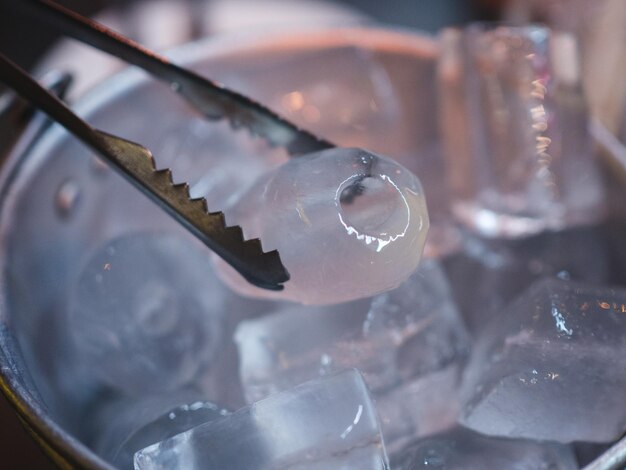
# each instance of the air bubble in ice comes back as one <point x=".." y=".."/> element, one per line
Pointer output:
<point x="347" y="223"/>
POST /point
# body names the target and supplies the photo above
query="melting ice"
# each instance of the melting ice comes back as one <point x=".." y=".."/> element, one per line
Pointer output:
<point x="347" y="223"/>
<point x="147" y="311"/>
<point x="551" y="366"/>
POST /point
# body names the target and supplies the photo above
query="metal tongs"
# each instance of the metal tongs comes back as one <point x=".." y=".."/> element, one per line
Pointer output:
<point x="136" y="163"/>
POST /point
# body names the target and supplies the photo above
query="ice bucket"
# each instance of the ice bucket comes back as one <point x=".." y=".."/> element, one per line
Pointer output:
<point x="368" y="87"/>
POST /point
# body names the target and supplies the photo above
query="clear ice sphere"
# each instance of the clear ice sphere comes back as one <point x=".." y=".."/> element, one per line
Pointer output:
<point x="462" y="449"/>
<point x="407" y="343"/>
<point x="550" y="366"/>
<point x="325" y="423"/>
<point x="514" y="123"/>
<point x="127" y="425"/>
<point x="146" y="312"/>
<point x="348" y="224"/>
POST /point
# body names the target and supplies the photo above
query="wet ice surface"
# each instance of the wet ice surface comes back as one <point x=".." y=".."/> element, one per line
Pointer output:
<point x="425" y="405"/>
<point x="347" y="223"/>
<point x="462" y="449"/>
<point x="147" y="310"/>
<point x="408" y="343"/>
<point x="490" y="273"/>
<point x="550" y="366"/>
<point x="126" y="426"/>
<point x="322" y="424"/>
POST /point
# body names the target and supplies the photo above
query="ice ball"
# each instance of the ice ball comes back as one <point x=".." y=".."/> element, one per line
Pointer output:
<point x="347" y="223"/>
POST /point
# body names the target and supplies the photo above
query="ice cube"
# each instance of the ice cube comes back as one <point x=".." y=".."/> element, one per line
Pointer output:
<point x="425" y="405"/>
<point x="514" y="122"/>
<point x="146" y="312"/>
<point x="296" y="344"/>
<point x="325" y="423"/>
<point x="463" y="449"/>
<point x="356" y="107"/>
<point x="209" y="156"/>
<point x="550" y="366"/>
<point x="125" y="426"/>
<point x="407" y="343"/>
<point x="348" y="224"/>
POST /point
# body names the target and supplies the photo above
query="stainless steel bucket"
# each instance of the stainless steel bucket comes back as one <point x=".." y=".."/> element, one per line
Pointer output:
<point x="58" y="201"/>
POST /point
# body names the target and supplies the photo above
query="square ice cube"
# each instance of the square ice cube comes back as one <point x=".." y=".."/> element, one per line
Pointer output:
<point x="551" y="366"/>
<point x="462" y="449"/>
<point x="325" y="423"/>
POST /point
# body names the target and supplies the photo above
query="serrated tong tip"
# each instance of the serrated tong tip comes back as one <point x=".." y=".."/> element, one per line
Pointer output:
<point x="137" y="164"/>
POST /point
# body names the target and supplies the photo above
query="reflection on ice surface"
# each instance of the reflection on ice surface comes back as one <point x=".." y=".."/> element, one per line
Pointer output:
<point x="347" y="223"/>
<point x="551" y="366"/>
<point x="490" y="273"/>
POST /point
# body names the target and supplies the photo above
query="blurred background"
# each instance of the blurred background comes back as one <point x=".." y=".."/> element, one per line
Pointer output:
<point x="162" y="24"/>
